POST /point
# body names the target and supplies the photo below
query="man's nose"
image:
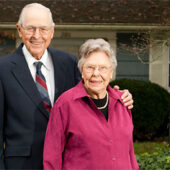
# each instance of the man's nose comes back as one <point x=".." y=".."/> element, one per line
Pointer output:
<point x="37" y="33"/>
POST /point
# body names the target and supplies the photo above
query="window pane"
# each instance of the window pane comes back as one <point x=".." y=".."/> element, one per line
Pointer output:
<point x="7" y="42"/>
<point x="127" y="56"/>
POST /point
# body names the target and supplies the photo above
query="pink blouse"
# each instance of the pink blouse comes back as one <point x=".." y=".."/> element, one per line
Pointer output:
<point x="79" y="137"/>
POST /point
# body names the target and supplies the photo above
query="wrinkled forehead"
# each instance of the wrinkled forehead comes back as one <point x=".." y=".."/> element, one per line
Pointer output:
<point x="35" y="16"/>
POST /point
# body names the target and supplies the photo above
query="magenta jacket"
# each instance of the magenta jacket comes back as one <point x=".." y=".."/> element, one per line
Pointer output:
<point x="79" y="137"/>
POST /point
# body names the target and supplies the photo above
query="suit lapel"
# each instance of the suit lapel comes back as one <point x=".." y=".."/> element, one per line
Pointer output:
<point x="23" y="76"/>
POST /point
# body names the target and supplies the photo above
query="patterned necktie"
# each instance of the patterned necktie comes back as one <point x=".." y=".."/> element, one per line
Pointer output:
<point x="42" y="87"/>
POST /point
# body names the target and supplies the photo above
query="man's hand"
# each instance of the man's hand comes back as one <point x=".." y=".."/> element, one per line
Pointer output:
<point x="126" y="97"/>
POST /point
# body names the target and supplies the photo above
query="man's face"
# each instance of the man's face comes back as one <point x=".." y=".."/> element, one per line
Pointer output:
<point x="36" y="31"/>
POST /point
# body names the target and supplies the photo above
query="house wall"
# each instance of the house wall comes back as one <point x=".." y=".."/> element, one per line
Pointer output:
<point x="159" y="59"/>
<point x="70" y="37"/>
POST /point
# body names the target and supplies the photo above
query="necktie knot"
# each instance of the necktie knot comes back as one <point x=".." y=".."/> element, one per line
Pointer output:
<point x="38" y="70"/>
<point x="38" y="65"/>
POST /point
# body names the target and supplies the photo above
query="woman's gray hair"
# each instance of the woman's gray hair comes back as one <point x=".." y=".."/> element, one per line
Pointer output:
<point x="93" y="45"/>
<point x="36" y="5"/>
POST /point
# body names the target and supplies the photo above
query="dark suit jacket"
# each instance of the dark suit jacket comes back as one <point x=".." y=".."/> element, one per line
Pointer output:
<point x="23" y="117"/>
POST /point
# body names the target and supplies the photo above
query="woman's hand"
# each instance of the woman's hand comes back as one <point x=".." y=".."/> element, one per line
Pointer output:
<point x="126" y="97"/>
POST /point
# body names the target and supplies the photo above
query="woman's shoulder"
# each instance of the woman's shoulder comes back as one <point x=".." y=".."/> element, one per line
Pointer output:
<point x="114" y="93"/>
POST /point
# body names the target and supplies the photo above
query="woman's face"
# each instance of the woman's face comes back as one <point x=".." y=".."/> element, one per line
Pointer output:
<point x="96" y="73"/>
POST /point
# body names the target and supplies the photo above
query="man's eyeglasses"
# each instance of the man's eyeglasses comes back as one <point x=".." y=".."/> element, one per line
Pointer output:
<point x="101" y="68"/>
<point x="31" y="29"/>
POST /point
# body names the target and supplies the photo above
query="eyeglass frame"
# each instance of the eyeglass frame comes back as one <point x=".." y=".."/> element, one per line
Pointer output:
<point x="101" y="68"/>
<point x="46" y="29"/>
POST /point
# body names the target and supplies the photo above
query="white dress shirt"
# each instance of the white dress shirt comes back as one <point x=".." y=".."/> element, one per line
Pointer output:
<point x="47" y="70"/>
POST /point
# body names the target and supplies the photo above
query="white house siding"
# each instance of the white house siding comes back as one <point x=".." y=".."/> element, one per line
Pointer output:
<point x="70" y="38"/>
<point x="159" y="69"/>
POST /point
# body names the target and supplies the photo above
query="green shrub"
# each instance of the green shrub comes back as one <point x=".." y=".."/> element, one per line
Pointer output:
<point x="151" y="108"/>
<point x="159" y="160"/>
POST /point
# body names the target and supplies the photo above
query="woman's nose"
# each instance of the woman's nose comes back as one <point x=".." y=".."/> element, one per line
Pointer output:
<point x="96" y="71"/>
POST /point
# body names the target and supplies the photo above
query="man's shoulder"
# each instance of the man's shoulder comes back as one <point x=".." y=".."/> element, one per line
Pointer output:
<point x="66" y="97"/>
<point x="11" y="56"/>
<point x="8" y="61"/>
<point x="5" y="59"/>
<point x="61" y="54"/>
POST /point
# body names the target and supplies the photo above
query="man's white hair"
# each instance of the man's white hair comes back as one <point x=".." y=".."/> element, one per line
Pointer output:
<point x="34" y="5"/>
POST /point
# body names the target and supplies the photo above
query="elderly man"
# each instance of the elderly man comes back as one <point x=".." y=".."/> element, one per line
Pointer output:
<point x="31" y="79"/>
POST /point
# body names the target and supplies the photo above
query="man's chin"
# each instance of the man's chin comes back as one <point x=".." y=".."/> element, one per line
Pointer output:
<point x="37" y="55"/>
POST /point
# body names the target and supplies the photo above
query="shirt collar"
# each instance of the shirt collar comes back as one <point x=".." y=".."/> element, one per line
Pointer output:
<point x="31" y="60"/>
<point x="81" y="92"/>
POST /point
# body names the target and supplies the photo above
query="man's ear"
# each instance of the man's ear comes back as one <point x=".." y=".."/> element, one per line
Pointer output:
<point x="52" y="33"/>
<point x="19" y="30"/>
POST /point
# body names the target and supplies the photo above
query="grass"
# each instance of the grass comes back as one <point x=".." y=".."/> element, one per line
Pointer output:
<point x="149" y="147"/>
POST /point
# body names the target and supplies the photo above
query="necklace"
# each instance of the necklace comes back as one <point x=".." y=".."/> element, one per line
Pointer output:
<point x="107" y="99"/>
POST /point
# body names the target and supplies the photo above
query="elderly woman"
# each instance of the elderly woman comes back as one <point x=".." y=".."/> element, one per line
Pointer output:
<point x="89" y="127"/>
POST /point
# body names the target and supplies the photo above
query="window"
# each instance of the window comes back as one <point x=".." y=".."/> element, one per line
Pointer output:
<point x="7" y="42"/>
<point x="129" y="65"/>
